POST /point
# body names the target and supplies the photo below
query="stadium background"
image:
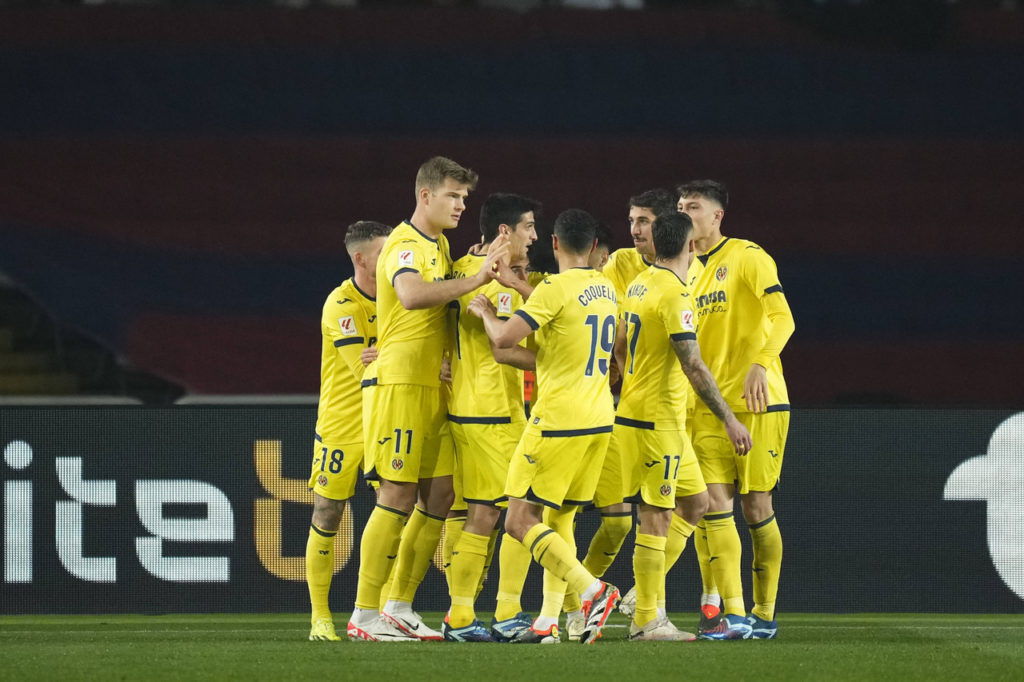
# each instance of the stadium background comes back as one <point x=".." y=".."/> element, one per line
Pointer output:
<point x="175" y="182"/>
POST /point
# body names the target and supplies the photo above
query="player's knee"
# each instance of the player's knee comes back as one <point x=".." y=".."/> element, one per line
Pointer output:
<point x="693" y="507"/>
<point x="617" y="527"/>
<point x="327" y="513"/>
<point x="757" y="506"/>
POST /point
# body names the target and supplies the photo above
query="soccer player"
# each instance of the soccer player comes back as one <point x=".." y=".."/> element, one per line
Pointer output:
<point x="657" y="345"/>
<point x="402" y="410"/>
<point x="617" y="516"/>
<point x="348" y="327"/>
<point x="486" y="417"/>
<point x="560" y="454"/>
<point x="742" y="313"/>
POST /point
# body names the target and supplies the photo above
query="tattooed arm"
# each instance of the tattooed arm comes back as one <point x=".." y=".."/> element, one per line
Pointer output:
<point x="704" y="384"/>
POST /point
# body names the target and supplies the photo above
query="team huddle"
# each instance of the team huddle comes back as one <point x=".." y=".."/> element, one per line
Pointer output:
<point x="422" y="388"/>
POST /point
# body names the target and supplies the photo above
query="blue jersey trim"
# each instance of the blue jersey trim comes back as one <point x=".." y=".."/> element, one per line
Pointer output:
<point x="529" y="320"/>
<point x="683" y="336"/>
<point x="365" y="295"/>
<point x="704" y="259"/>
<point x="781" y="407"/>
<point x="565" y="433"/>
<point x="318" y="438"/>
<point x="777" y="289"/>
<point x="368" y="382"/>
<point x="479" y="420"/>
<point x="635" y="423"/>
<point x="348" y="342"/>
<point x="401" y="271"/>
<point x="409" y="223"/>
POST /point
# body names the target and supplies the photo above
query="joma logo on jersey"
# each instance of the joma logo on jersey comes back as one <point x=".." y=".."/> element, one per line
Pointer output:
<point x="504" y="303"/>
<point x="713" y="297"/>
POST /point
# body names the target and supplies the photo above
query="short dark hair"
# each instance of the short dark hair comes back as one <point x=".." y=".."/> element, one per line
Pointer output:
<point x="363" y="231"/>
<point x="576" y="230"/>
<point x="434" y="170"/>
<point x="670" y="234"/>
<point x="709" y="189"/>
<point x="659" y="201"/>
<point x="540" y="254"/>
<point x="603" y="236"/>
<point x="504" y="209"/>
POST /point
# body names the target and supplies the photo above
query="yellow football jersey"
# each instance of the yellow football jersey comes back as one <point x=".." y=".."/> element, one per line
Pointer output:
<point x="622" y="267"/>
<point x="411" y="342"/>
<point x="483" y="390"/>
<point x="731" y="323"/>
<point x="573" y="317"/>
<point x="658" y="309"/>
<point x="348" y="325"/>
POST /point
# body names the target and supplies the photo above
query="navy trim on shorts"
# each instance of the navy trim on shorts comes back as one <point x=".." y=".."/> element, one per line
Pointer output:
<point x="403" y="270"/>
<point x="348" y="342"/>
<point x="322" y="532"/>
<point x="759" y="524"/>
<point x="532" y="497"/>
<point x="683" y="336"/>
<point x="529" y="320"/>
<point x="639" y="499"/>
<point x="368" y="382"/>
<point x="781" y="407"/>
<point x="777" y="289"/>
<point x="718" y="516"/>
<point x="487" y="503"/>
<point x="479" y="420"/>
<point x="576" y="503"/>
<point x="318" y="438"/>
<point x="565" y="433"/>
<point x="635" y="423"/>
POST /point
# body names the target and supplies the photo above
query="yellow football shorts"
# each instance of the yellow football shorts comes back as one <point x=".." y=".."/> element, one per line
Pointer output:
<point x="661" y="466"/>
<point x="482" y="455"/>
<point x="759" y="469"/>
<point x="611" y="485"/>
<point x="402" y="430"/>
<point x="557" y="470"/>
<point x="335" y="469"/>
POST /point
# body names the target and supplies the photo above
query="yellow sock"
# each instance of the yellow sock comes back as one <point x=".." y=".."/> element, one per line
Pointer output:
<point x="552" y="552"/>
<point x="449" y="538"/>
<point x="725" y="549"/>
<point x="700" y="543"/>
<point x="649" y="576"/>
<point x="377" y="550"/>
<point x="767" y="543"/>
<point x="385" y="590"/>
<point x="419" y="543"/>
<point x="607" y="541"/>
<point x="560" y="521"/>
<point x="319" y="569"/>
<point x="467" y="563"/>
<point x="679" y="531"/>
<point x="513" y="565"/>
<point x="492" y="540"/>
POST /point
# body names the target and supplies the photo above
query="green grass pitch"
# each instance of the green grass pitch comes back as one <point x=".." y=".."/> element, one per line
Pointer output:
<point x="274" y="647"/>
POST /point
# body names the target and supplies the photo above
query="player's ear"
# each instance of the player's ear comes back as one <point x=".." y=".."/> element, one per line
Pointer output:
<point x="691" y="246"/>
<point x="554" y="242"/>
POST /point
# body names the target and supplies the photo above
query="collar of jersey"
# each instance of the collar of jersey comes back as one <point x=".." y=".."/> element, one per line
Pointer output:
<point x="409" y="223"/>
<point x="662" y="267"/>
<point x="712" y="252"/>
<point x="365" y="295"/>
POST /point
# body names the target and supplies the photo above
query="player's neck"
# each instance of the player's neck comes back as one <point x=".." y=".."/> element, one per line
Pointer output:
<point x="366" y="281"/>
<point x="707" y="243"/>
<point x="420" y="222"/>
<point x="679" y="265"/>
<point x="568" y="261"/>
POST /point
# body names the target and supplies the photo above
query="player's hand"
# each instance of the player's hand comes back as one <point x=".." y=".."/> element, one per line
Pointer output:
<point x="613" y="373"/>
<point x="368" y="355"/>
<point x="755" y="388"/>
<point x="481" y="306"/>
<point x="739" y="436"/>
<point x="446" y="370"/>
<point x="496" y="252"/>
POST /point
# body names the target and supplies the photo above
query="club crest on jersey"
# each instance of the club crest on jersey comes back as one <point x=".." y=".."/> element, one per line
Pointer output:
<point x="666" y="490"/>
<point x="397" y="464"/>
<point x="406" y="259"/>
<point x="686" y="319"/>
<point x="347" y="325"/>
<point x="504" y="303"/>
<point x="720" y="273"/>
<point x="321" y="480"/>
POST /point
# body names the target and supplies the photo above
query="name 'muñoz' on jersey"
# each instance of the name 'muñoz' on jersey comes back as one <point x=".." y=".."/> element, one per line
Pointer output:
<point x="732" y="325"/>
<point x="347" y="326"/>
<point x="573" y="316"/>
<point x="658" y="309"/>
<point x="483" y="390"/>
<point x="410" y="342"/>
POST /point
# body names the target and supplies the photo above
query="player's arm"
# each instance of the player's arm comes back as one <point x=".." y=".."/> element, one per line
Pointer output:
<point x="782" y="326"/>
<point x="619" y="351"/>
<point x="688" y="352"/>
<point x="504" y="334"/>
<point x="509" y="278"/>
<point x="516" y="356"/>
<point x="416" y="294"/>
